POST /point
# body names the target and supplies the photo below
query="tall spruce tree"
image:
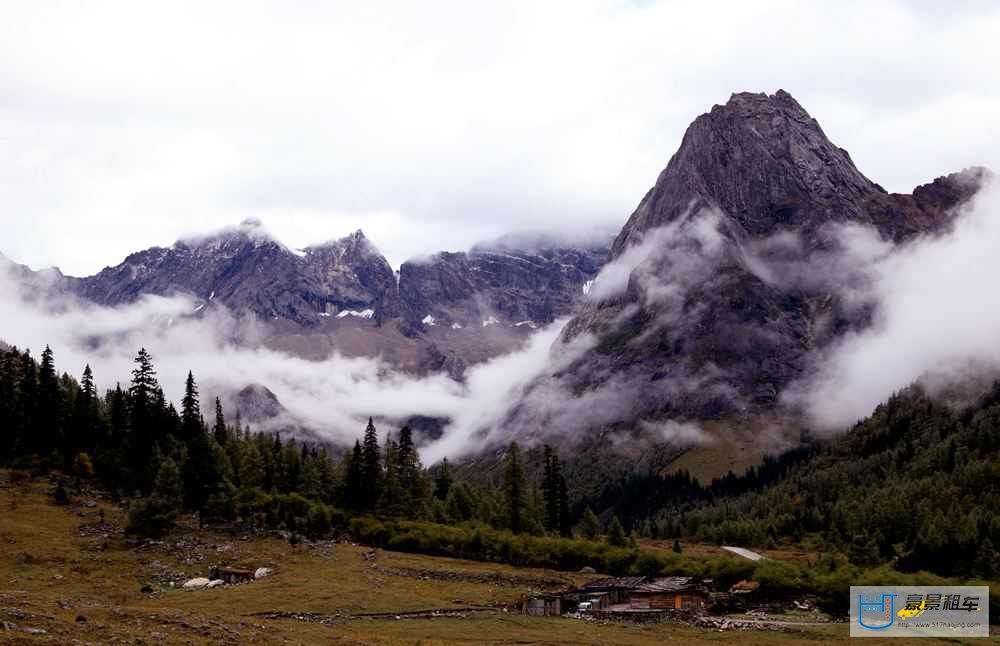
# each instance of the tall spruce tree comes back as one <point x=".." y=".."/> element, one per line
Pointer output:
<point x="219" y="430"/>
<point x="353" y="497"/>
<point x="371" y="468"/>
<point x="514" y="489"/>
<point x="143" y="423"/>
<point x="49" y="432"/>
<point x="442" y="480"/>
<point x="191" y="424"/>
<point x="565" y="522"/>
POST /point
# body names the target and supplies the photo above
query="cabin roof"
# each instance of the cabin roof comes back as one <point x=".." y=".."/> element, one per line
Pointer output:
<point x="666" y="584"/>
<point x="610" y="583"/>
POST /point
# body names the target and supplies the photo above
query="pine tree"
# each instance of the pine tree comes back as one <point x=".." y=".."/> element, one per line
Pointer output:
<point x="616" y="533"/>
<point x="371" y="469"/>
<point x="353" y="497"/>
<point x="191" y="423"/>
<point x="550" y="490"/>
<point x="514" y="489"/>
<point x="143" y="423"/>
<point x="565" y="521"/>
<point x="219" y="430"/>
<point x="83" y="429"/>
<point x="49" y="432"/>
<point x="442" y="481"/>
<point x="391" y="500"/>
<point x="590" y="524"/>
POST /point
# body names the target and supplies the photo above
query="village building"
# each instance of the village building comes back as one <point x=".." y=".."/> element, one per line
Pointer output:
<point x="625" y="594"/>
<point x="669" y="593"/>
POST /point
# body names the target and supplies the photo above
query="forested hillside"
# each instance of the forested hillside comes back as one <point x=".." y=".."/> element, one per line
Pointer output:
<point x="916" y="484"/>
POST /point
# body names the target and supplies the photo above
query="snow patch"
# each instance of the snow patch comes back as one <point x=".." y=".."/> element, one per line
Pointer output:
<point x="490" y="321"/>
<point x="456" y="326"/>
<point x="363" y="314"/>
<point x="530" y="324"/>
<point x="211" y="296"/>
<point x="587" y="285"/>
<point x="199" y="308"/>
<point x="428" y="320"/>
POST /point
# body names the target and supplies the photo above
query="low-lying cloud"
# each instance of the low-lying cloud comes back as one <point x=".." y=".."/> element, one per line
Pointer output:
<point x="333" y="397"/>
<point x="937" y="315"/>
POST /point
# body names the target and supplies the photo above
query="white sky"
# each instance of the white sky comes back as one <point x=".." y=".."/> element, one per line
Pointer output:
<point x="432" y="125"/>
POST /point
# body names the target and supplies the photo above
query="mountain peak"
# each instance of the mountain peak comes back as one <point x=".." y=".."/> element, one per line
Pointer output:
<point x="764" y="162"/>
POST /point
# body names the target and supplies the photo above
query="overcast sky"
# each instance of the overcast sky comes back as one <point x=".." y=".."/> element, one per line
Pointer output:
<point x="432" y="125"/>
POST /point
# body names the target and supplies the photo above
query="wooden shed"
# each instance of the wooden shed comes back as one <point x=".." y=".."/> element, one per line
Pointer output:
<point x="670" y="593"/>
<point x="543" y="605"/>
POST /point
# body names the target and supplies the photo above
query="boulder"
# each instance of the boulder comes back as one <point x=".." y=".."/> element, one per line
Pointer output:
<point x="215" y="584"/>
<point x="588" y="570"/>
<point x="199" y="582"/>
<point x="263" y="572"/>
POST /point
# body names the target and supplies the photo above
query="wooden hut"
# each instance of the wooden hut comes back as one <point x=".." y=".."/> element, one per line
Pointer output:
<point x="669" y="593"/>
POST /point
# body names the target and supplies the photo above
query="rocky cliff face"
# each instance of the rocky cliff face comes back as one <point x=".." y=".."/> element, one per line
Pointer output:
<point x="246" y="270"/>
<point x="519" y="281"/>
<point x="731" y="270"/>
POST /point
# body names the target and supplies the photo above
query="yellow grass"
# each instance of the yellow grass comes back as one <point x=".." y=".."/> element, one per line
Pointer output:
<point x="51" y="575"/>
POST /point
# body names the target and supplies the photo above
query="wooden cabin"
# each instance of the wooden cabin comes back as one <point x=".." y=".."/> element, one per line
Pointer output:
<point x="543" y="605"/>
<point x="669" y="593"/>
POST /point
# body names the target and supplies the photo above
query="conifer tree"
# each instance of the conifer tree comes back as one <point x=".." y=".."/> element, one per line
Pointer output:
<point x="442" y="480"/>
<point x="562" y="494"/>
<point x="353" y="497"/>
<point x="219" y="430"/>
<point x="616" y="533"/>
<point x="191" y="423"/>
<point x="48" y="432"/>
<point x="371" y="469"/>
<point x="514" y="489"/>
<point x="590" y="524"/>
<point x="391" y="501"/>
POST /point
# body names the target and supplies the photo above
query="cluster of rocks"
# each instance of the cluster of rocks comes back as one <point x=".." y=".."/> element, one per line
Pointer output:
<point x="227" y="576"/>
<point x="727" y="623"/>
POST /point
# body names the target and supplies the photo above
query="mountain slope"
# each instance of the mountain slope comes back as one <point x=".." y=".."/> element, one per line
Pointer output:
<point x="247" y="270"/>
<point x="730" y="273"/>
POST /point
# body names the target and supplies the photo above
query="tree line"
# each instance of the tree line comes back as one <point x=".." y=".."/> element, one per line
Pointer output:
<point x="166" y="461"/>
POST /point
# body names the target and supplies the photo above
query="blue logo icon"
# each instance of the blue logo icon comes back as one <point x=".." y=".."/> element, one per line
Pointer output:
<point x="879" y="609"/>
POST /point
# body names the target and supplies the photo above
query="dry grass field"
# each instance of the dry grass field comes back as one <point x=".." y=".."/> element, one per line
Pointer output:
<point x="69" y="576"/>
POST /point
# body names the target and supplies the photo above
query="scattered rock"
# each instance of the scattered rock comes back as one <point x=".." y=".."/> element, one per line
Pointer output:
<point x="146" y="589"/>
<point x="35" y="631"/>
<point x="80" y="619"/>
<point x="263" y="572"/>
<point x="199" y="582"/>
<point x="215" y="584"/>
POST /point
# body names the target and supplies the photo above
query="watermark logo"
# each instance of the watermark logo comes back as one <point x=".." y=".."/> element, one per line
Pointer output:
<point x="920" y="611"/>
<point x="876" y="611"/>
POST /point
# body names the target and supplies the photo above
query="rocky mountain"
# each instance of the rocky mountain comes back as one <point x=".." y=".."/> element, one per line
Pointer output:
<point x="517" y="280"/>
<point x="730" y="274"/>
<point x="249" y="271"/>
<point x="438" y="314"/>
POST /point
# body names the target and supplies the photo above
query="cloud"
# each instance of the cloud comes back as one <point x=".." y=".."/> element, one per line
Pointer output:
<point x="433" y="126"/>
<point x="677" y="433"/>
<point x="333" y="397"/>
<point x="936" y="316"/>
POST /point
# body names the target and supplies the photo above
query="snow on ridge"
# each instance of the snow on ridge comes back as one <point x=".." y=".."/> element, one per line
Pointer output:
<point x="363" y="314"/>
